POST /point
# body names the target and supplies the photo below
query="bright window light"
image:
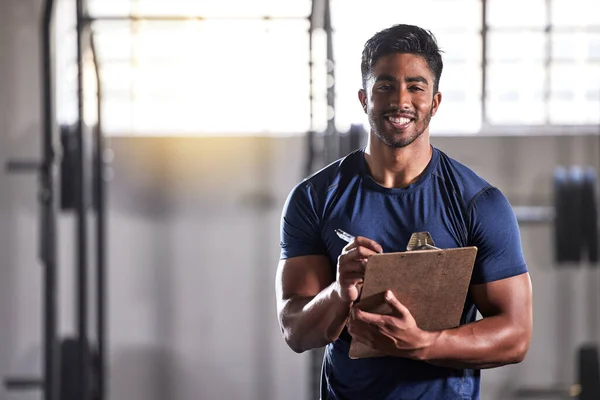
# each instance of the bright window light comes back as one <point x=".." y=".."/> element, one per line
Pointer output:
<point x="459" y="38"/>
<point x="575" y="13"/>
<point x="219" y="67"/>
<point x="540" y="77"/>
<point x="197" y="77"/>
<point x="195" y="67"/>
<point x="204" y="8"/>
<point x="516" y="14"/>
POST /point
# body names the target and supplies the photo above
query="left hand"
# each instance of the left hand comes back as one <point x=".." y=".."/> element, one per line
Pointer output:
<point x="396" y="334"/>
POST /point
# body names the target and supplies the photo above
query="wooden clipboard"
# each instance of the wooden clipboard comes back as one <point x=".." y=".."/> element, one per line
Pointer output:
<point x="431" y="283"/>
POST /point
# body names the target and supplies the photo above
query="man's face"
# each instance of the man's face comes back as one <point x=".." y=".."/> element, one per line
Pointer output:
<point x="399" y="99"/>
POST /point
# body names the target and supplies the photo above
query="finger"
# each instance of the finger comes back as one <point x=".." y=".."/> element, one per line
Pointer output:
<point x="347" y="263"/>
<point x="351" y="245"/>
<point x="359" y="286"/>
<point x="352" y="278"/>
<point x="365" y="317"/>
<point x="356" y="327"/>
<point x="368" y="243"/>
<point x="348" y="267"/>
<point x="398" y="307"/>
<point x="358" y="252"/>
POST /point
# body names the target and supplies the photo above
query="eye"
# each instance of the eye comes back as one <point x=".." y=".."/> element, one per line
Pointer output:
<point x="416" y="89"/>
<point x="385" y="87"/>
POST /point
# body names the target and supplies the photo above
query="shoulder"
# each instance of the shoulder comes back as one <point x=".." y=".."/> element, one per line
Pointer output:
<point x="333" y="173"/>
<point x="316" y="187"/>
<point x="490" y="222"/>
<point x="461" y="179"/>
<point x="303" y="211"/>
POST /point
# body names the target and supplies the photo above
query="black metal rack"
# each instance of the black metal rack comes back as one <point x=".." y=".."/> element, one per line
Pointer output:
<point x="45" y="169"/>
<point x="63" y="362"/>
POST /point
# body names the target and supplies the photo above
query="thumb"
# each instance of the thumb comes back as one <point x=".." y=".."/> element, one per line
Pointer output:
<point x="397" y="307"/>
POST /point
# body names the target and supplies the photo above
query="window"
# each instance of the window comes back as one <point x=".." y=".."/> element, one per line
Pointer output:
<point x="208" y="67"/>
<point x="211" y="76"/>
<point x="220" y="67"/>
<point x="542" y="64"/>
<point x="552" y="77"/>
<point x="459" y="38"/>
<point x="574" y="73"/>
<point x="516" y="56"/>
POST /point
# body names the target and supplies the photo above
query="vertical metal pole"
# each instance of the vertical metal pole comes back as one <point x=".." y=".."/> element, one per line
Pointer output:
<point x="329" y="152"/>
<point x="100" y="231"/>
<point x="548" y="61"/>
<point x="484" y="62"/>
<point x="333" y="148"/>
<point x="48" y="215"/>
<point x="81" y="229"/>
<point x="310" y="135"/>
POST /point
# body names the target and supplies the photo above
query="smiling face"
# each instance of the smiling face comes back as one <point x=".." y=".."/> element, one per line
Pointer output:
<point x="399" y="98"/>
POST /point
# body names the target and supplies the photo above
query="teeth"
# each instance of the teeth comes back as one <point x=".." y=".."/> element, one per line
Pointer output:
<point x="400" y="121"/>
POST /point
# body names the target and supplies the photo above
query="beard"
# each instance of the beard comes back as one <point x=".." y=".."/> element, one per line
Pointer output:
<point x="396" y="138"/>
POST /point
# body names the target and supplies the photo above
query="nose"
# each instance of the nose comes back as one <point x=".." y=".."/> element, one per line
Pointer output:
<point x="401" y="98"/>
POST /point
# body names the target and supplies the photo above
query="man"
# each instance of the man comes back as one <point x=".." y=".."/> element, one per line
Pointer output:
<point x="400" y="184"/>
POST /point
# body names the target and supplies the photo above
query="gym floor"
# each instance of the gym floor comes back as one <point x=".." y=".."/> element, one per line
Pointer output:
<point x="192" y="246"/>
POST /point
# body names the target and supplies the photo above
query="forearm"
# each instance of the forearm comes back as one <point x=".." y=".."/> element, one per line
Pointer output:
<point x="487" y="343"/>
<point x="313" y="322"/>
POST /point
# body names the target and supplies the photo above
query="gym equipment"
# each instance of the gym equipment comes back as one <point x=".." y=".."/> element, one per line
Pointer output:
<point x="575" y="220"/>
<point x="589" y="373"/>
<point x="576" y="216"/>
<point x="73" y="369"/>
<point x="71" y="353"/>
<point x="47" y="251"/>
<point x="589" y="227"/>
<point x="69" y="375"/>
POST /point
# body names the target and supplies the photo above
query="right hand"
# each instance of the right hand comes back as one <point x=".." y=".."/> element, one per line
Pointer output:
<point x="351" y="266"/>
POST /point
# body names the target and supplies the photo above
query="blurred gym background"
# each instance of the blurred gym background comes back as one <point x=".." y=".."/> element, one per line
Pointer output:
<point x="149" y="147"/>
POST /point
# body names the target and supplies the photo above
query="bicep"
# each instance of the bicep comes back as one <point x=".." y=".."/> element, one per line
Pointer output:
<point x="495" y="232"/>
<point x="510" y="297"/>
<point x="303" y="276"/>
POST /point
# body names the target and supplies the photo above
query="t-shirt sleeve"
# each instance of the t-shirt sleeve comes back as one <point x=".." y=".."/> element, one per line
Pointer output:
<point x="495" y="232"/>
<point x="300" y="222"/>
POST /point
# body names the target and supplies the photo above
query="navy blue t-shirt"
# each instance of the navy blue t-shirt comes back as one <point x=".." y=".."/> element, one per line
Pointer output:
<point x="451" y="202"/>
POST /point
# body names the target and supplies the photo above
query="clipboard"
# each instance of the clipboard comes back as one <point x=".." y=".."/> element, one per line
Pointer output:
<point x="432" y="283"/>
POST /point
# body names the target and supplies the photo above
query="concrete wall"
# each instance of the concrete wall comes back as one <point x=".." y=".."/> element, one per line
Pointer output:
<point x="193" y="248"/>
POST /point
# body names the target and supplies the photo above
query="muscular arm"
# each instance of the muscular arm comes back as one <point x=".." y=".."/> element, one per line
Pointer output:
<point x="311" y="313"/>
<point x="501" y="337"/>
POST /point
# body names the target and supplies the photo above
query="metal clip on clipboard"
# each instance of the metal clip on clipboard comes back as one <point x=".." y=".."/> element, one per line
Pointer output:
<point x="421" y="241"/>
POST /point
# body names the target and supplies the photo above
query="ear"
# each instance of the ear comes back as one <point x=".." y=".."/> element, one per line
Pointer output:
<point x="362" y="97"/>
<point x="437" y="99"/>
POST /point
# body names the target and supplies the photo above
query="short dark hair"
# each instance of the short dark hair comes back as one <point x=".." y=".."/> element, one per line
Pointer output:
<point x="403" y="39"/>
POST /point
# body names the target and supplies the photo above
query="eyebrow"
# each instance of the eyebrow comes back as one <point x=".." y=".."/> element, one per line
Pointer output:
<point x="419" y="79"/>
<point x="410" y="79"/>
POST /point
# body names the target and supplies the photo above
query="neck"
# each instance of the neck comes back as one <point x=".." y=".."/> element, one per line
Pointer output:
<point x="397" y="168"/>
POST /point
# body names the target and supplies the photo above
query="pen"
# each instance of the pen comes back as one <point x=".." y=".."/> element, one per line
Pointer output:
<point x="344" y="235"/>
<point x="347" y="237"/>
